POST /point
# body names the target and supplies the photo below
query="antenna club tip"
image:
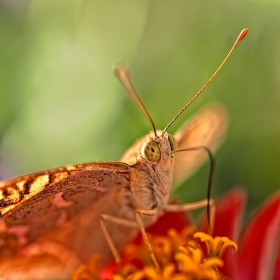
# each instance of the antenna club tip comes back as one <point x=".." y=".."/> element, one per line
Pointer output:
<point x="121" y="68"/>
<point x="242" y="34"/>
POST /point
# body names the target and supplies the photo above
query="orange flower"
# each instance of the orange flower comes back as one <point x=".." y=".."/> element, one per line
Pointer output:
<point x="258" y="256"/>
<point x="181" y="256"/>
<point x="176" y="262"/>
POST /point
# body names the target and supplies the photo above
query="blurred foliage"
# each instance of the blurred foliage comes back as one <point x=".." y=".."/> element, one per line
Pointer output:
<point x="60" y="103"/>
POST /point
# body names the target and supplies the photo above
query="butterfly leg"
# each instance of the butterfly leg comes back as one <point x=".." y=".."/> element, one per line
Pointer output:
<point x="129" y="223"/>
<point x="151" y="212"/>
<point x="192" y="206"/>
<point x="188" y="206"/>
<point x="120" y="221"/>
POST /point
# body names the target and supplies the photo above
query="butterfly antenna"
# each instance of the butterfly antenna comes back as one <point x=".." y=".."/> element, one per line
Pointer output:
<point x="241" y="36"/>
<point x="121" y="71"/>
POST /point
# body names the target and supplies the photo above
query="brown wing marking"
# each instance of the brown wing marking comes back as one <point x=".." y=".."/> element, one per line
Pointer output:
<point x="23" y="188"/>
<point x="56" y="197"/>
<point x="207" y="128"/>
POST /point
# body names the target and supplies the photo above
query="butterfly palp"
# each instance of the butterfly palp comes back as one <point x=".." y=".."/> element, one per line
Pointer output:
<point x="151" y="151"/>
<point x="172" y="142"/>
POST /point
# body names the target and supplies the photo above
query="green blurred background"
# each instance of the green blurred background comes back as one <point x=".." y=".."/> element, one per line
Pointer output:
<point x="61" y="104"/>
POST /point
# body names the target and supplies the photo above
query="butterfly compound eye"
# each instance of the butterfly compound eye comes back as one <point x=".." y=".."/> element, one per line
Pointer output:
<point x="150" y="151"/>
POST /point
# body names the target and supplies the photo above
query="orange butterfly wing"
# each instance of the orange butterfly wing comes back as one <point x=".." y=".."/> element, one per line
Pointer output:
<point x="61" y="207"/>
<point x="206" y="128"/>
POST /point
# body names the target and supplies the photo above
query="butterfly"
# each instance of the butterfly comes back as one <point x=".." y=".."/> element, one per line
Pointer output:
<point x="53" y="220"/>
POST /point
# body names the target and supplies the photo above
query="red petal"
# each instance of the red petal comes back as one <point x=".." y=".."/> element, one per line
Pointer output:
<point x="169" y="220"/>
<point x="276" y="274"/>
<point x="108" y="271"/>
<point x="259" y="242"/>
<point x="228" y="215"/>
